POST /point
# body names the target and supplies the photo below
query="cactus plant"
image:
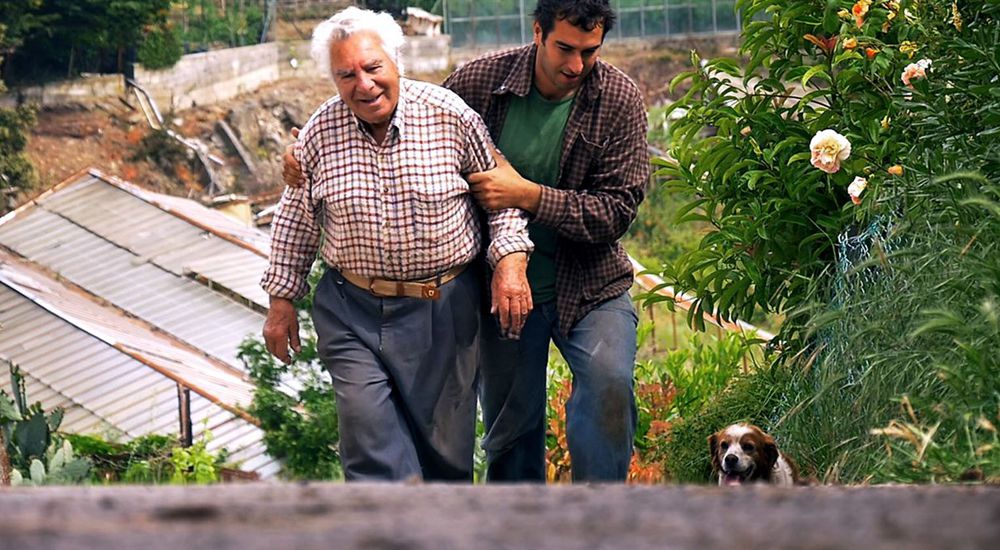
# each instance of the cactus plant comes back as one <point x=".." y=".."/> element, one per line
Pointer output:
<point x="26" y="437"/>
<point x="63" y="469"/>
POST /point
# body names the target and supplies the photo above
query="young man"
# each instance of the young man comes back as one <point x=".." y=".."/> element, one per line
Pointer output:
<point x="396" y="312"/>
<point x="573" y="131"/>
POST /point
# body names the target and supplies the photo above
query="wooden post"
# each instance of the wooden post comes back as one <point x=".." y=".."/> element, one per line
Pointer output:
<point x="184" y="412"/>
<point x="5" y="469"/>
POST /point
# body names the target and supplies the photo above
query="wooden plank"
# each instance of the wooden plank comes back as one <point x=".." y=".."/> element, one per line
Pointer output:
<point x="433" y="516"/>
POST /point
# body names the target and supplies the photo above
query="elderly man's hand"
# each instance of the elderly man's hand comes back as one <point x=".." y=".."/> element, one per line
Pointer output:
<point x="291" y="170"/>
<point x="281" y="329"/>
<point x="503" y="187"/>
<point x="511" y="301"/>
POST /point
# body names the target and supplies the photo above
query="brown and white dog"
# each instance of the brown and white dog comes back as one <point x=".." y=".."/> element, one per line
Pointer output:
<point x="743" y="453"/>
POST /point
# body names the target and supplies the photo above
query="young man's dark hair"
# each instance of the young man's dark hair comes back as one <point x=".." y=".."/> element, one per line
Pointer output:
<point x="585" y="14"/>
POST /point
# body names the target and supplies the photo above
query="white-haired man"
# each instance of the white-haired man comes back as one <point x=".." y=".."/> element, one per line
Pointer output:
<point x="397" y="311"/>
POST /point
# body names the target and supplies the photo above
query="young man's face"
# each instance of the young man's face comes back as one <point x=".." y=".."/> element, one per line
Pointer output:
<point x="366" y="78"/>
<point x="565" y="58"/>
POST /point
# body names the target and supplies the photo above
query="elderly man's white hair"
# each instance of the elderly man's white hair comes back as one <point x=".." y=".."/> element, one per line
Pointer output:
<point x="350" y="21"/>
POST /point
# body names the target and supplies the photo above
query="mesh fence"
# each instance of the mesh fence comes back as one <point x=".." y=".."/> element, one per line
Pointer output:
<point x="487" y="23"/>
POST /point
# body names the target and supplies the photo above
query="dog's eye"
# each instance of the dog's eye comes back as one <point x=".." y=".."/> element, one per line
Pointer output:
<point x="724" y="445"/>
<point x="748" y="447"/>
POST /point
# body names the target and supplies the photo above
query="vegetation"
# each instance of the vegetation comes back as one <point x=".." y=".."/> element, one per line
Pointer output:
<point x="62" y="38"/>
<point x="295" y="403"/>
<point x="854" y="189"/>
<point x="677" y="384"/>
<point x="160" y="48"/>
<point x="31" y="452"/>
<point x="205" y="24"/>
<point x="16" y="172"/>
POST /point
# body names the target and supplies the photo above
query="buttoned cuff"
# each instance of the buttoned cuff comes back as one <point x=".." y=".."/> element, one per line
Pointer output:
<point x="508" y="244"/>
<point x="284" y="286"/>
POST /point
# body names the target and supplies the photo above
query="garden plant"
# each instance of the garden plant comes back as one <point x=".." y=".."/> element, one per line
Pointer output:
<point x="847" y="166"/>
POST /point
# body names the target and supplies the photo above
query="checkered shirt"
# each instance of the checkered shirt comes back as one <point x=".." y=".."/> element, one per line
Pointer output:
<point x="400" y="210"/>
<point x="603" y="173"/>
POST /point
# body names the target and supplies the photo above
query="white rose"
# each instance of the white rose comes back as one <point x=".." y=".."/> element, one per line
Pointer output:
<point x="856" y="188"/>
<point x="828" y="149"/>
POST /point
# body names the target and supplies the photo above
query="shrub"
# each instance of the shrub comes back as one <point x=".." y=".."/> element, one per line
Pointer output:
<point x="295" y="403"/>
<point x="16" y="172"/>
<point x="160" y="48"/>
<point x="886" y="264"/>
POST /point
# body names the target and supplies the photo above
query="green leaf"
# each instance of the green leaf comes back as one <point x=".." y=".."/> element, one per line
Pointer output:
<point x="806" y="155"/>
<point x="815" y="71"/>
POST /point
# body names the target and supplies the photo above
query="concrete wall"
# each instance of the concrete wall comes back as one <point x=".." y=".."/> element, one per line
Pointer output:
<point x="85" y="89"/>
<point x="209" y="77"/>
<point x="421" y="54"/>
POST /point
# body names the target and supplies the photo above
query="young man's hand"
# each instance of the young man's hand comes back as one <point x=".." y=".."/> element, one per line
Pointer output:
<point x="291" y="170"/>
<point x="503" y="187"/>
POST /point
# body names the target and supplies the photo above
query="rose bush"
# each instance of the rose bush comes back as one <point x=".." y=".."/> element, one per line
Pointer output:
<point x="882" y="261"/>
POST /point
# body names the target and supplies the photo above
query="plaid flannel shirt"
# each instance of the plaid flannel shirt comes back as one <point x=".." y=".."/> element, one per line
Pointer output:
<point x="399" y="210"/>
<point x="603" y="174"/>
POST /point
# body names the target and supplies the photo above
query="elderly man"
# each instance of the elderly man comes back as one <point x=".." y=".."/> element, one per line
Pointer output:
<point x="573" y="130"/>
<point x="397" y="311"/>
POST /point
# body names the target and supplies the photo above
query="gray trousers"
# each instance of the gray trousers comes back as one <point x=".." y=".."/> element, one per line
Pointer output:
<point x="404" y="373"/>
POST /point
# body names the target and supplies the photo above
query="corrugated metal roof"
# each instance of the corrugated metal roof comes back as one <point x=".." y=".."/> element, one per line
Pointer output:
<point x="121" y="244"/>
<point x="113" y="372"/>
<point x="174" y="265"/>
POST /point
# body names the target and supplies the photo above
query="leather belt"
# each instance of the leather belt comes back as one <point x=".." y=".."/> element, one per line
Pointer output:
<point x="426" y="289"/>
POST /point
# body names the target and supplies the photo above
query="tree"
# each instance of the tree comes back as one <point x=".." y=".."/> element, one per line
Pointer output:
<point x="16" y="171"/>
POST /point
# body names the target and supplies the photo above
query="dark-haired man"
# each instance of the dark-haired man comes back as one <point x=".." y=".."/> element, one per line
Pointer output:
<point x="573" y="131"/>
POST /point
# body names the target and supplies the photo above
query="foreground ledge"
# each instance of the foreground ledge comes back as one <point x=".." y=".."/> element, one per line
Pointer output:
<point x="372" y="516"/>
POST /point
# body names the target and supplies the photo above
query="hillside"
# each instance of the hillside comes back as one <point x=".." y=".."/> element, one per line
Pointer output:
<point x="111" y="136"/>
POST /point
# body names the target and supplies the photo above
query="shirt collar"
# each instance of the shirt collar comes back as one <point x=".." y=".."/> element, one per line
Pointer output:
<point x="522" y="74"/>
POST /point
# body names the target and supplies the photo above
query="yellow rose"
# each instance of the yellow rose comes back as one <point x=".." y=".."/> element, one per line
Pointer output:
<point x="908" y="48"/>
<point x="828" y="148"/>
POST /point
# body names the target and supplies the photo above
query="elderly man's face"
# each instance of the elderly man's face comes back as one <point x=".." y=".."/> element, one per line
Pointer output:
<point x="366" y="78"/>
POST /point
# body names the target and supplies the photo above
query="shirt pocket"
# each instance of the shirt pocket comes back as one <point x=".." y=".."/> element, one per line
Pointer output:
<point x="587" y="152"/>
<point x="439" y="205"/>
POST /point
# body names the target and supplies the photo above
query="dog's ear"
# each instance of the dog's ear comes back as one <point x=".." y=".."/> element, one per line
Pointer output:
<point x="770" y="452"/>
<point x="713" y="447"/>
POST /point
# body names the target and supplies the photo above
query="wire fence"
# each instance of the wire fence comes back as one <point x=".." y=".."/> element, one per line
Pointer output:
<point x="488" y="23"/>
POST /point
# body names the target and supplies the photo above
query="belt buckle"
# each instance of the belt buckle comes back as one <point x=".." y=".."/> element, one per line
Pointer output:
<point x="429" y="291"/>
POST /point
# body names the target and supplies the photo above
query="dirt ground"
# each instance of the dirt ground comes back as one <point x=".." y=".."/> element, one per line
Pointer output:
<point x="110" y="135"/>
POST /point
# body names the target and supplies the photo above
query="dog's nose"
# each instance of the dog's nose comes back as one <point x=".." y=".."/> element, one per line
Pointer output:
<point x="731" y="461"/>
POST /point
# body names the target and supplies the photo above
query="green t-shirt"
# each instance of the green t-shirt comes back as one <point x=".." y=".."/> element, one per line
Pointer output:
<point x="532" y="139"/>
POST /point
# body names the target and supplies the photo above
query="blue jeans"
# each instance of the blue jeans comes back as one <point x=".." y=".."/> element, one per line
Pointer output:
<point x="600" y="414"/>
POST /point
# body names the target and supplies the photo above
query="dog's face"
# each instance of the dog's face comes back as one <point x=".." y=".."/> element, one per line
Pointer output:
<point x="742" y="453"/>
